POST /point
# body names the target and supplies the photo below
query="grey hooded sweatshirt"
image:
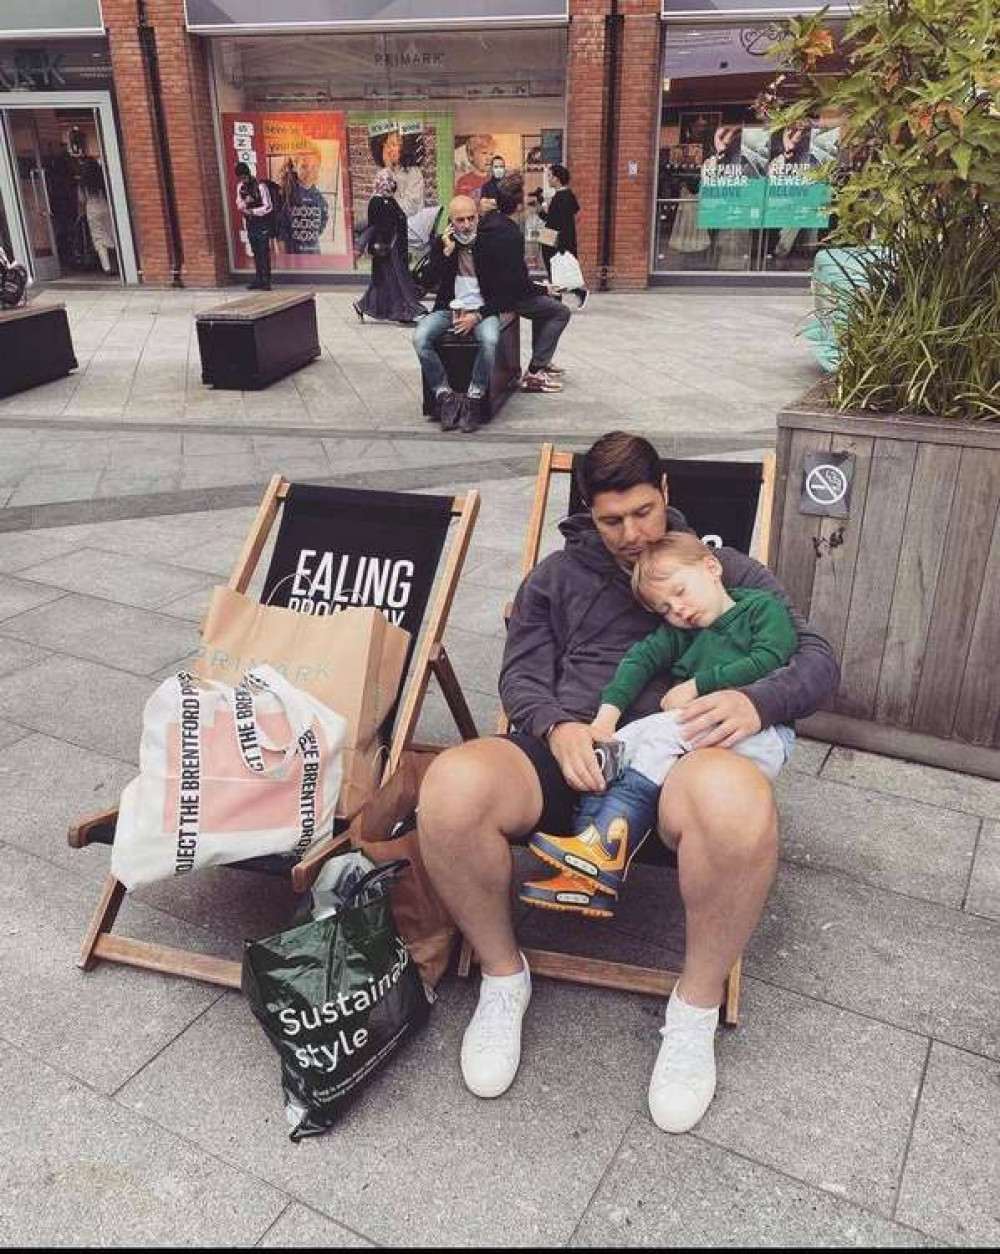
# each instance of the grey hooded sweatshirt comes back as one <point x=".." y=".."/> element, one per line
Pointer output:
<point x="575" y="616"/>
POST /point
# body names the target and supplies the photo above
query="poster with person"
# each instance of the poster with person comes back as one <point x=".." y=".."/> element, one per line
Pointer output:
<point x="416" y="149"/>
<point x="474" y="155"/>
<point x="796" y="197"/>
<point x="305" y="155"/>
<point x="733" y="185"/>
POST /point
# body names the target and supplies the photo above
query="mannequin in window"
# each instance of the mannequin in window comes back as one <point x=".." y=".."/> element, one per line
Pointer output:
<point x="98" y="211"/>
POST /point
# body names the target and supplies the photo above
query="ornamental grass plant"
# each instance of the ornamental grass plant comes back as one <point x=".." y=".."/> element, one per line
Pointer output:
<point x="916" y="191"/>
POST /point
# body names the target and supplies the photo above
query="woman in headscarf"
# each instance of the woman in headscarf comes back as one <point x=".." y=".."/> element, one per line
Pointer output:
<point x="391" y="294"/>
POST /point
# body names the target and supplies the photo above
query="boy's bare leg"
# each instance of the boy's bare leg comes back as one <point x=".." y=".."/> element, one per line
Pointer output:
<point x="475" y="799"/>
<point x="718" y="811"/>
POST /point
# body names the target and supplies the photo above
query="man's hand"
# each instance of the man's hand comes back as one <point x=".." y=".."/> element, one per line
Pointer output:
<point x="448" y="242"/>
<point x="465" y="323"/>
<point x="572" y="746"/>
<point x="720" y="719"/>
<point x="487" y="204"/>
<point x="679" y="695"/>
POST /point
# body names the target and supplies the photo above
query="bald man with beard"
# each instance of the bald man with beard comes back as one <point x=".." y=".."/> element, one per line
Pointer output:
<point x="452" y="269"/>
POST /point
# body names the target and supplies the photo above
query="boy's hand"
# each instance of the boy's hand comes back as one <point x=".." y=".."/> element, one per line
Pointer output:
<point x="677" y="697"/>
<point x="602" y="730"/>
<point x="572" y="746"/>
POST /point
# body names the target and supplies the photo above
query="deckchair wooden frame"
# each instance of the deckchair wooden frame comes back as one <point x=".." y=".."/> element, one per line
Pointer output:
<point x="556" y="964"/>
<point x="429" y="658"/>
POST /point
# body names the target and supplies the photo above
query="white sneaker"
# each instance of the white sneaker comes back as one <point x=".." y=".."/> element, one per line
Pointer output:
<point x="491" y="1047"/>
<point x="683" y="1081"/>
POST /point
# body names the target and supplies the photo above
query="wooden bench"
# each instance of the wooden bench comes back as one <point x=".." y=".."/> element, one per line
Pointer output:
<point x="248" y="343"/>
<point x="35" y="347"/>
<point x="458" y="353"/>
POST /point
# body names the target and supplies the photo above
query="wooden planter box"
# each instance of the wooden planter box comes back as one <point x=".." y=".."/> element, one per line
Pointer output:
<point x="907" y="587"/>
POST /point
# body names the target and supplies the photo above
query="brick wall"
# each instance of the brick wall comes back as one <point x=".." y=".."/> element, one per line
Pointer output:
<point x="190" y="140"/>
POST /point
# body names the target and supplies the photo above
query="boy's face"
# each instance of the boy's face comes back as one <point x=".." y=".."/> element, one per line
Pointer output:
<point x="629" y="521"/>
<point x="690" y="596"/>
<point x="308" y="169"/>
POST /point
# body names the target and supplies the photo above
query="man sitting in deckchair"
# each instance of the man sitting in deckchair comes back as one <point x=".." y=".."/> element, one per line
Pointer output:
<point x="574" y="617"/>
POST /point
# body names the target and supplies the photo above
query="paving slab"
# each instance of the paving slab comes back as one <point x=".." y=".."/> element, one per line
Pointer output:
<point x="915" y="964"/>
<point x="16" y="656"/>
<point x="300" y="1227"/>
<point x="951" y="1186"/>
<point x="458" y="1170"/>
<point x="120" y="635"/>
<point x="89" y="705"/>
<point x="100" y="1026"/>
<point x="984" y="889"/>
<point x="78" y="1170"/>
<point x="9" y="733"/>
<point x="948" y="789"/>
<point x="680" y="1192"/>
<point x="141" y="582"/>
<point x="819" y="1093"/>
<point x="887" y="841"/>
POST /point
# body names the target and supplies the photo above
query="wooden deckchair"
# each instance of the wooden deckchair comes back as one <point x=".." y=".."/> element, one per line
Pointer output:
<point x="427" y="657"/>
<point x="726" y="503"/>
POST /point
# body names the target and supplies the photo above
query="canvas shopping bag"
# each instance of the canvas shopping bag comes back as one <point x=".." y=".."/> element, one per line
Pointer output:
<point x="227" y="773"/>
<point x="338" y="995"/>
<point x="424" y="924"/>
<point x="352" y="661"/>
<point x="548" y="236"/>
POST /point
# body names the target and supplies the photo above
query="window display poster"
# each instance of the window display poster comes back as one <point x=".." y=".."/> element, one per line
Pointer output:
<point x="733" y="186"/>
<point x="474" y="154"/>
<point x="417" y="149"/>
<point x="304" y="153"/>
<point x="795" y="197"/>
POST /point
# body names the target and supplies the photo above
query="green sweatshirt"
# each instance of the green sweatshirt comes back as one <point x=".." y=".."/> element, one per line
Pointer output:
<point x="751" y="639"/>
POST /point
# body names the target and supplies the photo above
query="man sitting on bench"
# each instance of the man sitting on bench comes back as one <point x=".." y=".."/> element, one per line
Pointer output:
<point x="573" y="618"/>
<point x="452" y="268"/>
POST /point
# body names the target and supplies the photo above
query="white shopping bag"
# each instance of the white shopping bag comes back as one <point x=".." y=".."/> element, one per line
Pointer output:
<point x="227" y="773"/>
<point x="566" y="272"/>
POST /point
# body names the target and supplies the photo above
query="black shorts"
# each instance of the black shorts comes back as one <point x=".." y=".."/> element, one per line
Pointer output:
<point x="559" y="799"/>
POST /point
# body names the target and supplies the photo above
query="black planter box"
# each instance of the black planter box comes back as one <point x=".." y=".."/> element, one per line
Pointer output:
<point x="249" y="343"/>
<point x="458" y="353"/>
<point x="35" y="347"/>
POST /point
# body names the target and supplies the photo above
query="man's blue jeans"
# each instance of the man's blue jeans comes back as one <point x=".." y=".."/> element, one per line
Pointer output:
<point x="433" y="328"/>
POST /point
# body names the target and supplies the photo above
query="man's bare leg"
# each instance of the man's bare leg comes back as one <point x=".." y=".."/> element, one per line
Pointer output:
<point x="475" y="799"/>
<point x="720" y="809"/>
<point x="718" y="812"/>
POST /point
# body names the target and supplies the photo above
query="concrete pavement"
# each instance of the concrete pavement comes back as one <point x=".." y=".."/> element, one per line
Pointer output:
<point x="859" y="1099"/>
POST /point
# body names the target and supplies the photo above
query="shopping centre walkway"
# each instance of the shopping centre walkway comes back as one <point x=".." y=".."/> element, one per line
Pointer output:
<point x="859" y="1099"/>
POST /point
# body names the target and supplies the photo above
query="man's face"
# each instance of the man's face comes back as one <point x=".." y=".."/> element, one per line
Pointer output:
<point x="499" y="170"/>
<point x="464" y="218"/>
<point x="629" y="521"/>
<point x="308" y="168"/>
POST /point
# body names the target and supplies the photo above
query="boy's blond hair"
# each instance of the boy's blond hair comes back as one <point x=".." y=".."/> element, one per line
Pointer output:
<point x="680" y="548"/>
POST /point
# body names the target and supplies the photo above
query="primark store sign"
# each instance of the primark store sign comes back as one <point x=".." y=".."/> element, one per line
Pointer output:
<point x="233" y="17"/>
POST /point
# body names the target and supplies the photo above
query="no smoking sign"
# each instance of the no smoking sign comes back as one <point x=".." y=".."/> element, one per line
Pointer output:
<point x="826" y="484"/>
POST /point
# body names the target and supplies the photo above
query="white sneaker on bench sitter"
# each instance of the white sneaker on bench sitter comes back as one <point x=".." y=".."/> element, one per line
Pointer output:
<point x="683" y="1082"/>
<point x="491" y="1046"/>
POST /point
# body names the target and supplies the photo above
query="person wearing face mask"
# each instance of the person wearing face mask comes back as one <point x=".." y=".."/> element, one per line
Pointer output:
<point x="491" y="188"/>
<point x="458" y="307"/>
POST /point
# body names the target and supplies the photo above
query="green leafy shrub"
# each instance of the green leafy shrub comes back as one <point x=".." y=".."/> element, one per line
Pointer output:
<point x="918" y="190"/>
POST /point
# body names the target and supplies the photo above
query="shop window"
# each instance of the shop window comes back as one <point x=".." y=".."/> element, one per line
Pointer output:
<point x="734" y="194"/>
<point x="320" y="116"/>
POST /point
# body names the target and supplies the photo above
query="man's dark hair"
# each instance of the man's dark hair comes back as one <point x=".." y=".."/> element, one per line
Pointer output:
<point x="510" y="192"/>
<point x="498" y="156"/>
<point x="561" y="173"/>
<point x="242" y="170"/>
<point x="617" y="462"/>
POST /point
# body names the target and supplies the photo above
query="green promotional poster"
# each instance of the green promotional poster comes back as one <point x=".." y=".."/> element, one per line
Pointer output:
<point x="795" y="197"/>
<point x="733" y="187"/>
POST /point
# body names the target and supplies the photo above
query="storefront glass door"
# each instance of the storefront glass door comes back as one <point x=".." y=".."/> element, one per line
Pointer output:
<point x="62" y="195"/>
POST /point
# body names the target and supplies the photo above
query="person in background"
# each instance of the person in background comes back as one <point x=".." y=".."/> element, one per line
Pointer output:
<point x="391" y="294"/>
<point x="472" y="164"/>
<point x="253" y="200"/>
<point x="489" y="190"/>
<point x="507" y="286"/>
<point x="560" y="215"/>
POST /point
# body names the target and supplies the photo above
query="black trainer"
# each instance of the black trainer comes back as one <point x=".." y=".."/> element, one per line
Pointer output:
<point x="451" y="410"/>
<point x="471" y="415"/>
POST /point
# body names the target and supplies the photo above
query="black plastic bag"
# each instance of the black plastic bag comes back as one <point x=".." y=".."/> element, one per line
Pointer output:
<point x="337" y="996"/>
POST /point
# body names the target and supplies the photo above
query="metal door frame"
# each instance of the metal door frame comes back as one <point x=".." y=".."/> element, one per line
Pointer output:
<point x="100" y="102"/>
